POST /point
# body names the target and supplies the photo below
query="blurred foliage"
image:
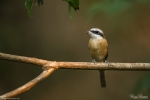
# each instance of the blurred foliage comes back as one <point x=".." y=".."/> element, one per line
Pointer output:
<point x="143" y="86"/>
<point x="112" y="7"/>
<point x="72" y="4"/>
<point x="29" y="4"/>
<point x="70" y="12"/>
<point x="39" y="2"/>
<point x="143" y="1"/>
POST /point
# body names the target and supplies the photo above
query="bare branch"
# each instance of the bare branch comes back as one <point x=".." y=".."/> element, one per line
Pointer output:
<point x="104" y="66"/>
<point x="23" y="59"/>
<point x="76" y="65"/>
<point x="28" y="85"/>
<point x="50" y="66"/>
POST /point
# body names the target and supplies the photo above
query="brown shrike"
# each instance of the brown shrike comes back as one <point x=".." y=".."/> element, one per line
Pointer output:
<point x="98" y="47"/>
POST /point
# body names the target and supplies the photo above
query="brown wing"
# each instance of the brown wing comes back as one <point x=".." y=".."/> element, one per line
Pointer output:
<point x="103" y="51"/>
<point x="106" y="55"/>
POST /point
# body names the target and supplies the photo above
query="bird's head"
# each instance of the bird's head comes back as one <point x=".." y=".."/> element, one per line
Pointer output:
<point x="96" y="33"/>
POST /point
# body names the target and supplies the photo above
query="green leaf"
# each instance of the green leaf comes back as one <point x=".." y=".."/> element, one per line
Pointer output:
<point x="74" y="4"/>
<point x="110" y="7"/>
<point x="40" y="2"/>
<point x="70" y="12"/>
<point x="28" y="5"/>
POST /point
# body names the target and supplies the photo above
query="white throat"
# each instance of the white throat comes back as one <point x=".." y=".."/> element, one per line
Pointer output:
<point x="94" y="36"/>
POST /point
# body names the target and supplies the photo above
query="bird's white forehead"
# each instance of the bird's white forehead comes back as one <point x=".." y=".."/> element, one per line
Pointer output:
<point x="96" y="29"/>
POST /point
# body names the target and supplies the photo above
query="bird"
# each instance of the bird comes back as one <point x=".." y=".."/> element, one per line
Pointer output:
<point x="98" y="48"/>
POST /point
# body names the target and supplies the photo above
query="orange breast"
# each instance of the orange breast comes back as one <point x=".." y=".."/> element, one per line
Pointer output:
<point x="98" y="49"/>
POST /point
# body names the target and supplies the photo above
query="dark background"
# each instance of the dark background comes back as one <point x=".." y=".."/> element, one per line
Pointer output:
<point x="51" y="35"/>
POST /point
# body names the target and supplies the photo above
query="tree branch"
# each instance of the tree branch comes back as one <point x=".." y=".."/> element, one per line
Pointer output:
<point x="76" y="65"/>
<point x="28" y="85"/>
<point x="50" y="66"/>
<point x="23" y="59"/>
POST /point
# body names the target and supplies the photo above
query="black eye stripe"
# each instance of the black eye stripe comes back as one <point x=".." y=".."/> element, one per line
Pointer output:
<point x="97" y="32"/>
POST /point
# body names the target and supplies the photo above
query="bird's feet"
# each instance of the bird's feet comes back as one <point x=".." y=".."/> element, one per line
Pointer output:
<point x="94" y="61"/>
<point x="107" y="62"/>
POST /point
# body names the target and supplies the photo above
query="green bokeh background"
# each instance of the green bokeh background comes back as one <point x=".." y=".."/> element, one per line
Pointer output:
<point x="51" y="35"/>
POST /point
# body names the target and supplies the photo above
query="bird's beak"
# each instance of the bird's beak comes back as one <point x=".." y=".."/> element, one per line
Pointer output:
<point x="87" y="32"/>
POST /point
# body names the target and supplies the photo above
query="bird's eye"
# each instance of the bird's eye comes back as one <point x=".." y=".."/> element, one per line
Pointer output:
<point x="96" y="32"/>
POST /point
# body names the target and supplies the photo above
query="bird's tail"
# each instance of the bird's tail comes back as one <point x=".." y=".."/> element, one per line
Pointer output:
<point x="102" y="78"/>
